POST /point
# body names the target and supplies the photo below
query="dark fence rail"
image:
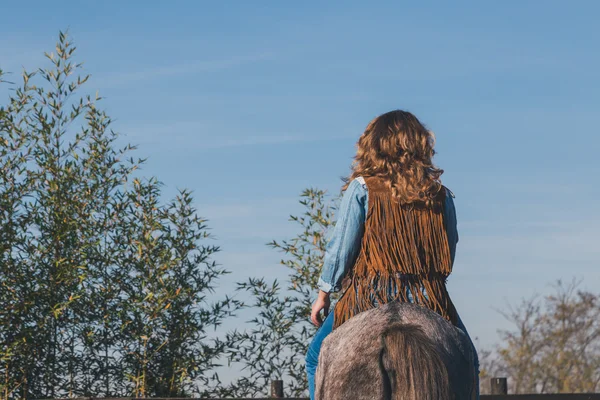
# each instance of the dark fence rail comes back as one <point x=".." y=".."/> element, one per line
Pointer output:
<point x="566" y="396"/>
<point x="575" y="396"/>
<point x="499" y="388"/>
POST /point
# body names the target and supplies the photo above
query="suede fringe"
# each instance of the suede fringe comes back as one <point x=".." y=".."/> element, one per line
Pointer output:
<point x="404" y="250"/>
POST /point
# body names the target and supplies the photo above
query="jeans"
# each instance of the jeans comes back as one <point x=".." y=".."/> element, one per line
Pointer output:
<point x="312" y="355"/>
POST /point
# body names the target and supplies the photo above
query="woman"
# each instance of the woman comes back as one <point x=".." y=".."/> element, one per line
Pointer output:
<point x="395" y="238"/>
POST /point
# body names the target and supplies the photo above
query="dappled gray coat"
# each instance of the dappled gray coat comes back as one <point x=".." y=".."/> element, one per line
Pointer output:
<point x="396" y="351"/>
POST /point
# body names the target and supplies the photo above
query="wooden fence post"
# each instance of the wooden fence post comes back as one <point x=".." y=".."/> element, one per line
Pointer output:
<point x="499" y="386"/>
<point x="277" y="389"/>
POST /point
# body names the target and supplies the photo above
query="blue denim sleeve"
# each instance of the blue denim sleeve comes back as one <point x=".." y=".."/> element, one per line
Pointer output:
<point x="451" y="224"/>
<point x="344" y="244"/>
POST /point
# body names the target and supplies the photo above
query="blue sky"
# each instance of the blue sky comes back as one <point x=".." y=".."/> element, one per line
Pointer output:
<point x="248" y="103"/>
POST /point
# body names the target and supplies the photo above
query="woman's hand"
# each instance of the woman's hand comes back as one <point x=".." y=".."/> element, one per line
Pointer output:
<point x="322" y="303"/>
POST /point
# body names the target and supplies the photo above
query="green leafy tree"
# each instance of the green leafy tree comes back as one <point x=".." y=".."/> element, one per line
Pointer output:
<point x="275" y="345"/>
<point x="49" y="252"/>
<point x="103" y="288"/>
<point x="168" y="316"/>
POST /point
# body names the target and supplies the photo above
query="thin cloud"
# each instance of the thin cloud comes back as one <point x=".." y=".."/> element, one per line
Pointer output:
<point x="238" y="221"/>
<point x="570" y="249"/>
<point x="260" y="140"/>
<point x="202" y="136"/>
<point x="255" y="209"/>
<point x="124" y="78"/>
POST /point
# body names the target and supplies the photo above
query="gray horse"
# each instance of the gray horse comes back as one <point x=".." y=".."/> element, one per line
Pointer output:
<point x="398" y="351"/>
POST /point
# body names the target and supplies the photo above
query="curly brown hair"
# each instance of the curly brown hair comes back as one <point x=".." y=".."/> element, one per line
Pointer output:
<point x="398" y="148"/>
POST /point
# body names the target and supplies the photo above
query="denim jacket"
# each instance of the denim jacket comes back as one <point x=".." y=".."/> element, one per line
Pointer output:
<point x="344" y="243"/>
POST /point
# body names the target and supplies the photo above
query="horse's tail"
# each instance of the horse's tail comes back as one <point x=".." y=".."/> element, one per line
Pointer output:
<point x="413" y="368"/>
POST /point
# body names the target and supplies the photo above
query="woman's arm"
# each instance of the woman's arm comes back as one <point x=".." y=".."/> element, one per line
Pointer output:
<point x="344" y="245"/>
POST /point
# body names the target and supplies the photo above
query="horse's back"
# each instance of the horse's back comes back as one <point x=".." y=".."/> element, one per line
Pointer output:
<point x="351" y="363"/>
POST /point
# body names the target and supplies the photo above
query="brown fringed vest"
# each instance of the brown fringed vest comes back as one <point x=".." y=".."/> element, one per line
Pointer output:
<point x="404" y="249"/>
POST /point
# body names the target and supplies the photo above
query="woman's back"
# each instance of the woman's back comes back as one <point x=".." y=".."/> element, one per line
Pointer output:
<point x="405" y="255"/>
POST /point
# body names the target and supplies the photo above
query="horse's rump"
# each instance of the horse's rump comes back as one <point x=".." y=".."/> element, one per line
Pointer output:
<point x="396" y="351"/>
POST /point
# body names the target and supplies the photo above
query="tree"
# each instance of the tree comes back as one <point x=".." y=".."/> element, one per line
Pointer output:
<point x="555" y="345"/>
<point x="165" y="322"/>
<point x="103" y="288"/>
<point x="275" y="346"/>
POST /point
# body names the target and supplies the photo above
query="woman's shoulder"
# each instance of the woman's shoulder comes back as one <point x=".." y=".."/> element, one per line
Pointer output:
<point x="361" y="180"/>
<point x="372" y="183"/>
<point x="357" y="184"/>
<point x="449" y="206"/>
<point x="357" y="190"/>
<point x="448" y="192"/>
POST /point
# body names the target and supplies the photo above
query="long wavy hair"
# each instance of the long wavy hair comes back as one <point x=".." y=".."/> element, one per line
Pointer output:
<point x="399" y="149"/>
